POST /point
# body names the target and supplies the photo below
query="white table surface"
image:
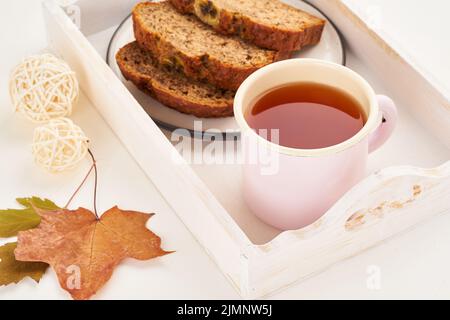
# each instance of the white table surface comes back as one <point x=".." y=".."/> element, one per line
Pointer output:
<point x="412" y="265"/>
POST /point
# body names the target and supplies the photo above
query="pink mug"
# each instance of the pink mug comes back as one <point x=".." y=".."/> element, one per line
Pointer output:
<point x="291" y="188"/>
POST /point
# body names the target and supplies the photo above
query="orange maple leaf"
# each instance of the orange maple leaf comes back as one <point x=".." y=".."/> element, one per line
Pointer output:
<point x="84" y="250"/>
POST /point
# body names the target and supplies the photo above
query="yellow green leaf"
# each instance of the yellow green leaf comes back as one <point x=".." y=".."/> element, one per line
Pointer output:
<point x="12" y="271"/>
<point x="14" y="220"/>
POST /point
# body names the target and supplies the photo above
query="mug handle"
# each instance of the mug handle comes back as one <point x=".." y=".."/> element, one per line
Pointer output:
<point x="388" y="122"/>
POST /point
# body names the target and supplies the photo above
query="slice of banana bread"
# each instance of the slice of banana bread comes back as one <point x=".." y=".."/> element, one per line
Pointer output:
<point x="171" y="88"/>
<point x="188" y="45"/>
<point x="267" y="23"/>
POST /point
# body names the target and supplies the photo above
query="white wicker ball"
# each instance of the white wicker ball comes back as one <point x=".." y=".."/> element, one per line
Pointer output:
<point x="59" y="145"/>
<point x="43" y="88"/>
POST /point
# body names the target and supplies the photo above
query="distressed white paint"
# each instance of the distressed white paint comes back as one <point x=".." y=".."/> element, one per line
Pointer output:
<point x="391" y="201"/>
<point x="386" y="198"/>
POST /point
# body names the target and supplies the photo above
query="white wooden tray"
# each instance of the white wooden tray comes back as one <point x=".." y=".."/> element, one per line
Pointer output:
<point x="396" y="195"/>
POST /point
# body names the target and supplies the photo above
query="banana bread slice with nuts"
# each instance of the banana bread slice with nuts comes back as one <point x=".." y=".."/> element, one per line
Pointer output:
<point x="171" y="88"/>
<point x="267" y="23"/>
<point x="191" y="47"/>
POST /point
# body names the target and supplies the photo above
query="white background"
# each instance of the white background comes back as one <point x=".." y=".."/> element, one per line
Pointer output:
<point x="413" y="265"/>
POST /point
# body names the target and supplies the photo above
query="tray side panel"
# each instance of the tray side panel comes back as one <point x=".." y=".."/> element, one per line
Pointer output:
<point x="385" y="204"/>
<point x="185" y="192"/>
<point x="429" y="103"/>
<point x="85" y="13"/>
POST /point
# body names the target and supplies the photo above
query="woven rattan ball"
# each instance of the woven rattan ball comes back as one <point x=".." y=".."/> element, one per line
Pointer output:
<point x="59" y="145"/>
<point x="43" y="88"/>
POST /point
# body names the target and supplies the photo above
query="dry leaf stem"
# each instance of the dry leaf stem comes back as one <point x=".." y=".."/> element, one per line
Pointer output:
<point x="93" y="167"/>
